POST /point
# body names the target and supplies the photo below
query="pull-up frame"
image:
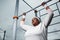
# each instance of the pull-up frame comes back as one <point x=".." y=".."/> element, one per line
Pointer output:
<point x="16" y="16"/>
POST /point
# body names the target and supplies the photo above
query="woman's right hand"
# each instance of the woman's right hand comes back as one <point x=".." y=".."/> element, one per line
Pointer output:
<point x="24" y="14"/>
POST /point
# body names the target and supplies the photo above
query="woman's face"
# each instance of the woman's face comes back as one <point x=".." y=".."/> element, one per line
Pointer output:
<point x="35" y="21"/>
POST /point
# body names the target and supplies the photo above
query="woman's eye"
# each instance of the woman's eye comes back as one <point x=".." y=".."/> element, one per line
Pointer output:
<point x="32" y="21"/>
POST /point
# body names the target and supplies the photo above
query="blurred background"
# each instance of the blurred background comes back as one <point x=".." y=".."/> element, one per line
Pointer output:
<point x="7" y="10"/>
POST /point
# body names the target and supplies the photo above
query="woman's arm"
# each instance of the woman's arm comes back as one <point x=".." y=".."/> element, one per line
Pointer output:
<point x="25" y="27"/>
<point x="49" y="16"/>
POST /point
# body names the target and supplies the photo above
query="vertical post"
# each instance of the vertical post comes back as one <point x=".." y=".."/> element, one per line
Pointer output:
<point x="4" y="35"/>
<point x="16" y="8"/>
<point x="15" y="20"/>
<point x="35" y="11"/>
<point x="39" y="14"/>
<point x="14" y="29"/>
<point x="58" y="8"/>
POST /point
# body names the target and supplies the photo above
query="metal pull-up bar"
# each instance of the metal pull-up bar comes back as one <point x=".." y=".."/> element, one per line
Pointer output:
<point x="4" y="33"/>
<point x="27" y="4"/>
<point x="32" y="8"/>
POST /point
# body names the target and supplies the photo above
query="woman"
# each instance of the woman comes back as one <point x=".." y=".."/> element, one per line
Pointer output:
<point x="39" y="29"/>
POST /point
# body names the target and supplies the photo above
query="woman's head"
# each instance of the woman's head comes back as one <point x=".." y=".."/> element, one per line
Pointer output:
<point x="36" y="21"/>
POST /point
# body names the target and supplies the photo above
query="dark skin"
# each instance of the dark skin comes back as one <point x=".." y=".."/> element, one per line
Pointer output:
<point x="35" y="21"/>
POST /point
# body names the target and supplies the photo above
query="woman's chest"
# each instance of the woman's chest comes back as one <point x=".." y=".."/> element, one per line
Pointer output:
<point x="37" y="30"/>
